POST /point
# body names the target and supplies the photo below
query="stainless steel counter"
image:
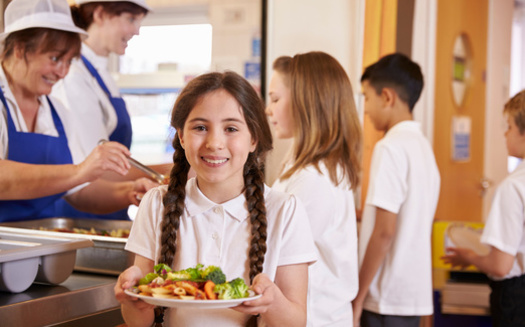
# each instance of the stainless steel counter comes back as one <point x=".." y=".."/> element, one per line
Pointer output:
<point x="81" y="295"/>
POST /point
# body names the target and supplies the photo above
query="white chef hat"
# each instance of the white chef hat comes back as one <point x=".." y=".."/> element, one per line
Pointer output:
<point x="23" y="14"/>
<point x="141" y="3"/>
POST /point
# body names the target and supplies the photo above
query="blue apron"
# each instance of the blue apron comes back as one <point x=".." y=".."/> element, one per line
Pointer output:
<point x="33" y="148"/>
<point x="121" y="134"/>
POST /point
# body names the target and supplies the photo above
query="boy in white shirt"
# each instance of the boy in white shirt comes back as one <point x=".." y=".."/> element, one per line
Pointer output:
<point x="395" y="279"/>
<point x="504" y="231"/>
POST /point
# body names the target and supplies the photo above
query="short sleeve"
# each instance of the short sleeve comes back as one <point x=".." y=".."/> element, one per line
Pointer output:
<point x="504" y="227"/>
<point x="144" y="235"/>
<point x="297" y="241"/>
<point x="388" y="186"/>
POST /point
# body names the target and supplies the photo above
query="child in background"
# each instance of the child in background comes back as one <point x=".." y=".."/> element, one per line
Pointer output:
<point x="225" y="216"/>
<point x="311" y="101"/>
<point x="395" y="277"/>
<point x="504" y="231"/>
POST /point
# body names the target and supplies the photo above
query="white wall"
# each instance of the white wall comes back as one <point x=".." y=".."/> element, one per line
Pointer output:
<point x="497" y="93"/>
<point x="297" y="26"/>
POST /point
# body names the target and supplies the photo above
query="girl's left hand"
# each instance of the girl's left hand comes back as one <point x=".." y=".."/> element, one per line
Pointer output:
<point x="261" y="285"/>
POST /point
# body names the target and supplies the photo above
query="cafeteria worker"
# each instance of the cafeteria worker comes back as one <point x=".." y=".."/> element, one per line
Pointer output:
<point x="36" y="164"/>
<point x="89" y="89"/>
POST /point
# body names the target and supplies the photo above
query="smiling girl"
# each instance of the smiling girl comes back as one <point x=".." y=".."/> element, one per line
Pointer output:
<point x="225" y="216"/>
<point x="89" y="90"/>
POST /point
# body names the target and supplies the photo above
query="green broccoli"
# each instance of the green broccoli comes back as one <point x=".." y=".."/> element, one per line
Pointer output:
<point x="225" y="291"/>
<point x="214" y="274"/>
<point x="240" y="288"/>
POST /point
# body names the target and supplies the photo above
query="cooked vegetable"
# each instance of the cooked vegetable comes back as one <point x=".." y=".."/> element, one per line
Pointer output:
<point x="240" y="288"/>
<point x="208" y="290"/>
<point x="214" y="274"/>
<point x="225" y="291"/>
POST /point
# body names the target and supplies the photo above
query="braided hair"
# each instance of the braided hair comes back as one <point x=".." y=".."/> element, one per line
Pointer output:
<point x="173" y="200"/>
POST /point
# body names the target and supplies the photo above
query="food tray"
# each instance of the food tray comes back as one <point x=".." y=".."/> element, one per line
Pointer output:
<point x="25" y="259"/>
<point x="107" y="256"/>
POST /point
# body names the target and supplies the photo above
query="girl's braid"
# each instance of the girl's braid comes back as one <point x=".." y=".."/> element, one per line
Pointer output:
<point x="254" y="193"/>
<point x="173" y="205"/>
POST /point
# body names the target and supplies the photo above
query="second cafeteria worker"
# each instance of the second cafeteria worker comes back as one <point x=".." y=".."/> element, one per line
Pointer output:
<point x="89" y="89"/>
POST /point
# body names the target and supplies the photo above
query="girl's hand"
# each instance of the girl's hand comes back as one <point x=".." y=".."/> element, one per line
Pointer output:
<point x="458" y="257"/>
<point x="261" y="285"/>
<point x="108" y="156"/>
<point x="127" y="279"/>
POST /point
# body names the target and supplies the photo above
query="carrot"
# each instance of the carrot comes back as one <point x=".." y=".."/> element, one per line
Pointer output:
<point x="208" y="289"/>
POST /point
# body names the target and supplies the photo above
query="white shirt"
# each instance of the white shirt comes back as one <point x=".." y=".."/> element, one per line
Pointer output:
<point x="404" y="179"/>
<point x="95" y="117"/>
<point x="219" y="234"/>
<point x="505" y="226"/>
<point x="332" y="216"/>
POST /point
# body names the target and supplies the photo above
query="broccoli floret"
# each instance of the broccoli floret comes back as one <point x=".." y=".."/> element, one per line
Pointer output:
<point x="148" y="278"/>
<point x="225" y="291"/>
<point x="214" y="274"/>
<point x="240" y="288"/>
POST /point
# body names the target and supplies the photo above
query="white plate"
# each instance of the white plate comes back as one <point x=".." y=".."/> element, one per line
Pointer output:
<point x="195" y="304"/>
<point x="467" y="237"/>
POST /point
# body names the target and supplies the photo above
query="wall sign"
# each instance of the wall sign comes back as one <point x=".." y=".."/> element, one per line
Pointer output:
<point x="461" y="131"/>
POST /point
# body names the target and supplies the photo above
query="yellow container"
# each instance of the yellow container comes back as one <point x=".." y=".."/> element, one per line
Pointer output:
<point x="440" y="241"/>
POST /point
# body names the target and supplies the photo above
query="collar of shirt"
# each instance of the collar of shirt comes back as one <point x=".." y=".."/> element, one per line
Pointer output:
<point x="44" y="122"/>
<point x="405" y="125"/>
<point x="99" y="62"/>
<point x="197" y="203"/>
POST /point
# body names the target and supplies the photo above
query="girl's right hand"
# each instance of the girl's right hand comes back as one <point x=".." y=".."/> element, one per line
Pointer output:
<point x="128" y="278"/>
<point x="108" y="156"/>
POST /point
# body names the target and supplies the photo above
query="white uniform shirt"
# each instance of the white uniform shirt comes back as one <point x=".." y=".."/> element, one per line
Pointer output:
<point x="333" y="279"/>
<point x="219" y="234"/>
<point x="404" y="179"/>
<point x="505" y="226"/>
<point x="44" y="123"/>
<point x="79" y="91"/>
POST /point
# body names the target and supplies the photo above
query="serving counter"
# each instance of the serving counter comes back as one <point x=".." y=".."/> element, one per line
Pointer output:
<point x="82" y="300"/>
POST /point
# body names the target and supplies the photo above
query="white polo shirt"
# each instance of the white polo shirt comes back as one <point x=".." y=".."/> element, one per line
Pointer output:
<point x="404" y="179"/>
<point x="79" y="91"/>
<point x="219" y="234"/>
<point x="505" y="225"/>
<point x="332" y="216"/>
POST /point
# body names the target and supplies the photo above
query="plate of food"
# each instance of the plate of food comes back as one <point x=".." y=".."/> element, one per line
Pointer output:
<point x="192" y="303"/>
<point x="198" y="287"/>
<point x="467" y="237"/>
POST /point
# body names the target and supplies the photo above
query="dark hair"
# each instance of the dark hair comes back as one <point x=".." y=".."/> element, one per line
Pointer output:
<point x="398" y="72"/>
<point x="83" y="14"/>
<point x="253" y="110"/>
<point x="42" y="40"/>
